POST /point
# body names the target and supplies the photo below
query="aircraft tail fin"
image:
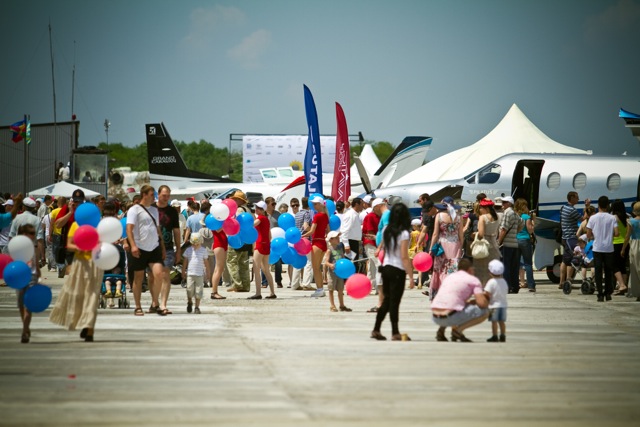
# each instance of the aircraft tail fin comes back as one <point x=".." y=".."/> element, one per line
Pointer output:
<point x="632" y="121"/>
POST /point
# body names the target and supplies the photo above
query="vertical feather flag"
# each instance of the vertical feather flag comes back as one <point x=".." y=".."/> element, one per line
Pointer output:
<point x="341" y="186"/>
<point x="312" y="158"/>
<point x="21" y="131"/>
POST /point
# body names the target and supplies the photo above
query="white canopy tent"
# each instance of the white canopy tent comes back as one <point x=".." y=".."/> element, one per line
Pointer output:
<point x="61" y="189"/>
<point x="514" y="134"/>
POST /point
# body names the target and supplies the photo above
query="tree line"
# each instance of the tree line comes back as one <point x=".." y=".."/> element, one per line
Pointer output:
<point x="205" y="157"/>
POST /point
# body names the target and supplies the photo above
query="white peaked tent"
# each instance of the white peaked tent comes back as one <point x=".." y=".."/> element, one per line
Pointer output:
<point x="514" y="134"/>
<point x="61" y="189"/>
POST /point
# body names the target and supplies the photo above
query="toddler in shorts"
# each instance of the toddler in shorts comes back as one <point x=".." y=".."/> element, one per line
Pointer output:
<point x="196" y="266"/>
<point x="335" y="252"/>
<point x="496" y="290"/>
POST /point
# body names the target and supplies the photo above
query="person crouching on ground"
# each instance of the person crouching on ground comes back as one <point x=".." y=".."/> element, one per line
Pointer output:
<point x="454" y="306"/>
<point x="496" y="290"/>
<point x="196" y="266"/>
<point x="334" y="253"/>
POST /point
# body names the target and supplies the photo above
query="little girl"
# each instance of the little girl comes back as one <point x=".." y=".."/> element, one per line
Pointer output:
<point x="196" y="265"/>
<point x="30" y="231"/>
<point x="334" y="253"/>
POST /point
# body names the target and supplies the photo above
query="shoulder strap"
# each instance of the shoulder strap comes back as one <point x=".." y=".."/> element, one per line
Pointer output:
<point x="152" y="218"/>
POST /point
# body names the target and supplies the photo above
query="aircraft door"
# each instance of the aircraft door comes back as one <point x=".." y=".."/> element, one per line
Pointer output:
<point x="526" y="181"/>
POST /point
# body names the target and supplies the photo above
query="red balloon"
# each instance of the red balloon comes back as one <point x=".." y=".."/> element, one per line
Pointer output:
<point x="422" y="261"/>
<point x="303" y="246"/>
<point x="231" y="226"/>
<point x="233" y="207"/>
<point x="358" y="286"/>
<point x="86" y="237"/>
<point x="4" y="260"/>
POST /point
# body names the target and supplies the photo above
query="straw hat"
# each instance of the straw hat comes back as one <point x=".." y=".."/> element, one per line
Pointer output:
<point x="239" y="195"/>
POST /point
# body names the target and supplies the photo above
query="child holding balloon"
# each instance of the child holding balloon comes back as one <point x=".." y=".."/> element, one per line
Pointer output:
<point x="335" y="253"/>
<point x="29" y="231"/>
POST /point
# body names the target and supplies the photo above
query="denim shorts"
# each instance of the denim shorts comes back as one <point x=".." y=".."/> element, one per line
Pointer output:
<point x="170" y="258"/>
<point x="498" y="314"/>
<point x="458" y="318"/>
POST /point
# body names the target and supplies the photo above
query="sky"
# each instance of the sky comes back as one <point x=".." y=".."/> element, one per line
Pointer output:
<point x="449" y="69"/>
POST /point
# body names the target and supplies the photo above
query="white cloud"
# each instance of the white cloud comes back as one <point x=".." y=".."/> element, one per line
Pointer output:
<point x="251" y="49"/>
<point x="617" y="19"/>
<point x="207" y="22"/>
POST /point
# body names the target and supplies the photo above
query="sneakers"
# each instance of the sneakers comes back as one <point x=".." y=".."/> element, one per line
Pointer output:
<point x="503" y="338"/>
<point x="189" y="307"/>
<point x="494" y="338"/>
<point x="197" y="310"/>
<point x="118" y="294"/>
<point x="345" y="308"/>
<point x="108" y="294"/>
<point x="256" y="296"/>
<point x="274" y="296"/>
<point x="607" y="297"/>
<point x="318" y="293"/>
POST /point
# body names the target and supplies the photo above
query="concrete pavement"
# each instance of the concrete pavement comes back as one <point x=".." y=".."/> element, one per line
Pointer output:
<point x="568" y="360"/>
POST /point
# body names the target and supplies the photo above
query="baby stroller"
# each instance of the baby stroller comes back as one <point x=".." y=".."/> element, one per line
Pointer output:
<point x="578" y="262"/>
<point x="115" y="292"/>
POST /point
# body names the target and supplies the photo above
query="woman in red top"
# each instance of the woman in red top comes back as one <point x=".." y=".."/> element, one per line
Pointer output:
<point x="318" y="232"/>
<point x="262" y="251"/>
<point x="220" y="246"/>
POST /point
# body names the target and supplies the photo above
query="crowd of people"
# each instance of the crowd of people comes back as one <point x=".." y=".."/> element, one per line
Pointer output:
<point x="465" y="286"/>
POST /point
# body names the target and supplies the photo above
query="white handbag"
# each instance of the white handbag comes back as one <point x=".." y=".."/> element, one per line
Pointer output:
<point x="479" y="248"/>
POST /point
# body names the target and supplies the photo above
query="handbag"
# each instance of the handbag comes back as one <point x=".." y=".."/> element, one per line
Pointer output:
<point x="479" y="248"/>
<point x="437" y="250"/>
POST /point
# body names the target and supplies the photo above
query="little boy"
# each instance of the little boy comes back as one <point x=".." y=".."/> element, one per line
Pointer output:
<point x="334" y="253"/>
<point x="496" y="291"/>
<point x="196" y="265"/>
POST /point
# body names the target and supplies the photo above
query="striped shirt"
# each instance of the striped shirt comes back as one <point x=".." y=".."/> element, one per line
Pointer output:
<point x="569" y="217"/>
<point x="195" y="260"/>
<point x="303" y="215"/>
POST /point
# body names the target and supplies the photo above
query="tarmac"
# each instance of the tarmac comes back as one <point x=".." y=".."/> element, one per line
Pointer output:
<point x="568" y="361"/>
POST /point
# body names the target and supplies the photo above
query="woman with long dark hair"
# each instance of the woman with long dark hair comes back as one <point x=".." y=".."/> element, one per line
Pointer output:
<point x="395" y="268"/>
<point x="620" y="258"/>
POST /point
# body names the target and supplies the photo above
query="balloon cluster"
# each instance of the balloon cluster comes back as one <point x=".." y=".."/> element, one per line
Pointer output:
<point x="287" y="243"/>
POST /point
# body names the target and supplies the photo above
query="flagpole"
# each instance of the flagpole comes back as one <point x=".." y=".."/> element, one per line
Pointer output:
<point x="55" y="121"/>
<point x="25" y="175"/>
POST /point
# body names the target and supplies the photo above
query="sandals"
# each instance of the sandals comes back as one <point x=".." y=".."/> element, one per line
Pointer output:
<point x="216" y="295"/>
<point x="376" y="335"/>
<point x="162" y="312"/>
<point x="373" y="310"/>
<point x="273" y="296"/>
<point x="333" y="309"/>
<point x="523" y="285"/>
<point x="345" y="308"/>
<point x="138" y="312"/>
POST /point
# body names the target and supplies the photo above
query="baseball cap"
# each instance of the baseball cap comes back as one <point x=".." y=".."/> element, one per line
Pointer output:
<point x="317" y="199"/>
<point x="507" y="199"/>
<point x="195" y="238"/>
<point x="261" y="204"/>
<point x="377" y="202"/>
<point x="332" y="234"/>
<point x="175" y="202"/>
<point x="416" y="221"/>
<point x="29" y="202"/>
<point x="8" y="202"/>
<point x="584" y="238"/>
<point x="77" y="196"/>
<point x="366" y="199"/>
<point x="496" y="267"/>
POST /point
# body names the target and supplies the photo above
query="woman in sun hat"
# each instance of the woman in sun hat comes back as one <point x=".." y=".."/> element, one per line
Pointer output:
<point x="448" y="231"/>
<point x="318" y="232"/>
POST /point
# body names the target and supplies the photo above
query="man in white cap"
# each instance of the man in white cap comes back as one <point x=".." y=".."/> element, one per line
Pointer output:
<point x="10" y="212"/>
<point x="510" y="225"/>
<point x="366" y="207"/>
<point x="28" y="217"/>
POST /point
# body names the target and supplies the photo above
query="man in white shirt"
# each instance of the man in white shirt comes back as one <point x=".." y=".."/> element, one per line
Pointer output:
<point x="601" y="228"/>
<point x="351" y="231"/>
<point x="147" y="248"/>
<point x="366" y="207"/>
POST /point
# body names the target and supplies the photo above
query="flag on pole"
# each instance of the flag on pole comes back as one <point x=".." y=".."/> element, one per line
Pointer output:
<point x="312" y="158"/>
<point x="21" y="131"/>
<point x="341" y="186"/>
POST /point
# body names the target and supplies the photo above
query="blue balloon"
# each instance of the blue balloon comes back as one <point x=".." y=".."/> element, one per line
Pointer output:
<point x="286" y="221"/>
<point x="245" y="219"/>
<point x="334" y="222"/>
<point x="273" y="258"/>
<point x="248" y="235"/>
<point x="212" y="223"/>
<point x="87" y="214"/>
<point x="37" y="298"/>
<point x="289" y="255"/>
<point x="345" y="268"/>
<point x="292" y="235"/>
<point x="299" y="261"/>
<point x="331" y="207"/>
<point x="123" y="221"/>
<point x="235" y="241"/>
<point x="17" y="274"/>
<point x="279" y="245"/>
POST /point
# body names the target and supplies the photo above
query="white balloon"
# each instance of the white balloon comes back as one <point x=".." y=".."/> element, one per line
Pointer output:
<point x="21" y="248"/>
<point x="105" y="256"/>
<point x="109" y="229"/>
<point x="277" y="232"/>
<point x="220" y="211"/>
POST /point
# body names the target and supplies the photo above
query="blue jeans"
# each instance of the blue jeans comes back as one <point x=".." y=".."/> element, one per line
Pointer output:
<point x="526" y="251"/>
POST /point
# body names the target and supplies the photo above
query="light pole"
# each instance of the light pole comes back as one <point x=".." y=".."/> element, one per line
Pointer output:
<point x="107" y="124"/>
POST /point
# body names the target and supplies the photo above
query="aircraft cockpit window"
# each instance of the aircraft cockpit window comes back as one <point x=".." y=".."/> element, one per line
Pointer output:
<point x="553" y="181"/>
<point x="269" y="173"/>
<point x="285" y="173"/>
<point x="488" y="175"/>
<point x="579" y="181"/>
<point x="613" y="182"/>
